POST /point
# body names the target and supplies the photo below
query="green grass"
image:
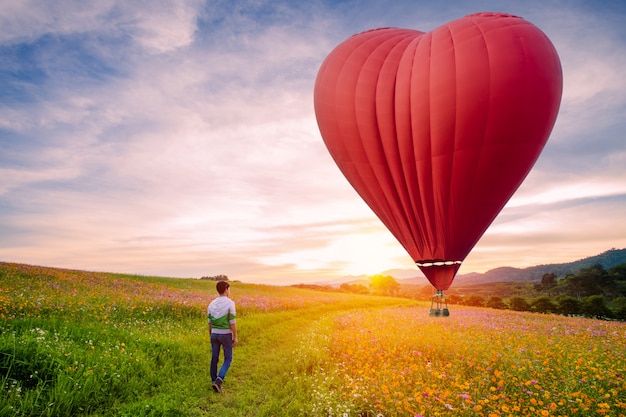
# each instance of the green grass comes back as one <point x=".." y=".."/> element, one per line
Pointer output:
<point x="77" y="343"/>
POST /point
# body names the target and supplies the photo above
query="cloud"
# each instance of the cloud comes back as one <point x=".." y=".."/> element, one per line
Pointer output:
<point x="180" y="139"/>
<point x="593" y="57"/>
<point x="559" y="232"/>
<point x="157" y="28"/>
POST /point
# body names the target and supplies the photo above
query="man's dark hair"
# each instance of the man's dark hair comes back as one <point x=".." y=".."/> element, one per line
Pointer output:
<point x="222" y="286"/>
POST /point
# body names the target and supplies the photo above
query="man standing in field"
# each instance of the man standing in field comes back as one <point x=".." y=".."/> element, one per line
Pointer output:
<point x="223" y="332"/>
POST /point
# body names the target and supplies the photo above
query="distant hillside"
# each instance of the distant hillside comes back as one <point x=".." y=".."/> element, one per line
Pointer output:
<point x="607" y="259"/>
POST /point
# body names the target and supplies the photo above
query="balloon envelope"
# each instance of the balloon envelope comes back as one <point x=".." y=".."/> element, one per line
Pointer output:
<point x="437" y="130"/>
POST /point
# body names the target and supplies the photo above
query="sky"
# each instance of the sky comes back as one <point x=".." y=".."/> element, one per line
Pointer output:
<point x="178" y="138"/>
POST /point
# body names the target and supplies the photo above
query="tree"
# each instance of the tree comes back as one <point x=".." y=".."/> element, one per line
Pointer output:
<point x="220" y="277"/>
<point x="354" y="288"/>
<point x="547" y="281"/>
<point x="384" y="284"/>
<point x="543" y="305"/>
<point x="618" y="272"/>
<point x="496" y="302"/>
<point x="519" y="304"/>
<point x="424" y="293"/>
<point x="594" y="307"/>
<point x="585" y="283"/>
<point x="568" y="305"/>
<point x="619" y="305"/>
<point x="454" y="299"/>
<point x="474" y="300"/>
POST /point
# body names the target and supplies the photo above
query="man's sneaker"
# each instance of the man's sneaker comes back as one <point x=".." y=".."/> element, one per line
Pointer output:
<point x="217" y="385"/>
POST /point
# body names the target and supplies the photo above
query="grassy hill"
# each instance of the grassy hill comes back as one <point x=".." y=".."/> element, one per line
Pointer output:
<point x="98" y="344"/>
<point x="607" y="259"/>
<point x="90" y="343"/>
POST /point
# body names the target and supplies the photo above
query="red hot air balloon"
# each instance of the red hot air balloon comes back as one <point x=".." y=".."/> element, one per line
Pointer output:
<point x="437" y="130"/>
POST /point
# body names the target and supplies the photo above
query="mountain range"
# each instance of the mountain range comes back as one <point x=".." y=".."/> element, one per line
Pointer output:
<point x="607" y="259"/>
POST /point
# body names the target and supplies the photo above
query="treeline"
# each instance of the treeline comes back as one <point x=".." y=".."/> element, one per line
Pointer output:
<point x="378" y="284"/>
<point x="592" y="292"/>
<point x="595" y="280"/>
<point x="594" y="306"/>
<point x="220" y="277"/>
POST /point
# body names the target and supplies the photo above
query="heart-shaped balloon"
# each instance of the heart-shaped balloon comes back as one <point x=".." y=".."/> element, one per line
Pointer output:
<point x="437" y="130"/>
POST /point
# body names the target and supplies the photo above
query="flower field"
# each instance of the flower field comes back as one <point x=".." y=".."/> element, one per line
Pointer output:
<point x="33" y="291"/>
<point x="88" y="343"/>
<point x="479" y="362"/>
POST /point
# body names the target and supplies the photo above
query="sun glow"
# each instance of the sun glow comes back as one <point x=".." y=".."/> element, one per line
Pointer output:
<point x="362" y="253"/>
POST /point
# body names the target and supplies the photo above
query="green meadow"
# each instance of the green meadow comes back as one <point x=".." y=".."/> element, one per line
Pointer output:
<point x="97" y="344"/>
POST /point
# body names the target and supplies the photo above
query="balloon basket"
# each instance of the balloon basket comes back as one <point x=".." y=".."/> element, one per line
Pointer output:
<point x="439" y="305"/>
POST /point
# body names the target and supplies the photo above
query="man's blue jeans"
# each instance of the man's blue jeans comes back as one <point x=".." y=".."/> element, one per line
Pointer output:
<point x="218" y="341"/>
